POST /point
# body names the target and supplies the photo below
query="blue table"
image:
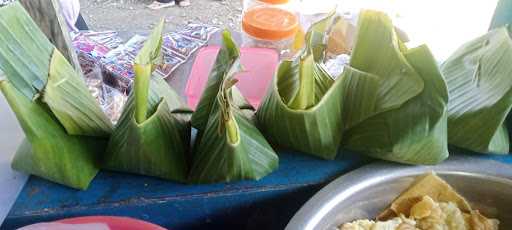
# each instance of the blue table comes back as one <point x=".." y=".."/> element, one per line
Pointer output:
<point x="266" y="204"/>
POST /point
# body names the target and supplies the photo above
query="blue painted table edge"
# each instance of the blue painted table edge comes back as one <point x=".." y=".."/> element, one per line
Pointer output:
<point x="266" y="204"/>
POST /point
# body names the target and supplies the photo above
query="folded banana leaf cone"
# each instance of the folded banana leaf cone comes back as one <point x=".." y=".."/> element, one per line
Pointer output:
<point x="153" y="134"/>
<point x="395" y="98"/>
<point x="303" y="109"/>
<point x="229" y="147"/>
<point x="479" y="82"/>
<point x="64" y="126"/>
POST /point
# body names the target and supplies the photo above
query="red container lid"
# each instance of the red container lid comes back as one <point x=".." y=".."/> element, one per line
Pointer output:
<point x="259" y="65"/>
<point x="113" y="222"/>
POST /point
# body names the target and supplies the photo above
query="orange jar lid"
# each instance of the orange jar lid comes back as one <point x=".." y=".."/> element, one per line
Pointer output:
<point x="270" y="23"/>
<point x="275" y="2"/>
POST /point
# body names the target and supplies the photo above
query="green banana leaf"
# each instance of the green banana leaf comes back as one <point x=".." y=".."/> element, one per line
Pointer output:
<point x="48" y="151"/>
<point x="153" y="133"/>
<point x="225" y="59"/>
<point x="395" y="99"/>
<point x="479" y="82"/>
<point x="302" y="109"/>
<point x="62" y="122"/>
<point x="37" y="69"/>
<point x="230" y="147"/>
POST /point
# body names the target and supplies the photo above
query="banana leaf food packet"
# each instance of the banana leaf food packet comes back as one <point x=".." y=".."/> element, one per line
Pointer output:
<point x="228" y="146"/>
<point x="394" y="98"/>
<point x="66" y="130"/>
<point x="153" y="134"/>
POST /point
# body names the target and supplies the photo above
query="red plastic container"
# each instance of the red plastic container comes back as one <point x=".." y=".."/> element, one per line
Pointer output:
<point x="113" y="222"/>
<point x="259" y="65"/>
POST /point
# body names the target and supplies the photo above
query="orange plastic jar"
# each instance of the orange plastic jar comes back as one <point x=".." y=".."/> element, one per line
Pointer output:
<point x="270" y="24"/>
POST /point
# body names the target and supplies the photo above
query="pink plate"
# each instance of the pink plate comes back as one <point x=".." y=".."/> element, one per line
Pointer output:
<point x="259" y="65"/>
<point x="114" y="222"/>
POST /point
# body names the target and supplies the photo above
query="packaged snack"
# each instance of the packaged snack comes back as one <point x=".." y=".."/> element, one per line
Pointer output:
<point x="200" y="32"/>
<point x="119" y="61"/>
<point x="87" y="62"/>
<point x="111" y="100"/>
<point x="109" y="39"/>
<point x="113" y="80"/>
<point x="171" y="62"/>
<point x="86" y="45"/>
<point x="129" y="49"/>
<point x="134" y="44"/>
<point x="120" y="65"/>
<point x="181" y="44"/>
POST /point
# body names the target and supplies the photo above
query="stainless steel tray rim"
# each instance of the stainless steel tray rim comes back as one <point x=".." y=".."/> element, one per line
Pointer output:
<point x="312" y="213"/>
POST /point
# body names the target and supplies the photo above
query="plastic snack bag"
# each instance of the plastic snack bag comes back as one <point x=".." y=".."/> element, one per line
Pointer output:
<point x="180" y="44"/>
<point x="199" y="32"/>
<point x="109" y="39"/>
<point x="171" y="62"/>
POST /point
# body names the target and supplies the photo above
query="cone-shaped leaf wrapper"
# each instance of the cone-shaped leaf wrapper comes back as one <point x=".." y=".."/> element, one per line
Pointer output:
<point x="152" y="136"/>
<point x="394" y="99"/>
<point x="479" y="78"/>
<point x="52" y="103"/>
<point x="48" y="151"/>
<point x="302" y="109"/>
<point x="230" y="147"/>
<point x="36" y="69"/>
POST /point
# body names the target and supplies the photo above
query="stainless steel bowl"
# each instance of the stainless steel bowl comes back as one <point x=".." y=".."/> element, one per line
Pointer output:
<point x="365" y="192"/>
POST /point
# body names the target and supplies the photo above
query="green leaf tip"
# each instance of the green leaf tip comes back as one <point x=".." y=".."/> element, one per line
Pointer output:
<point x="146" y="61"/>
<point x="304" y="97"/>
<point x="151" y="52"/>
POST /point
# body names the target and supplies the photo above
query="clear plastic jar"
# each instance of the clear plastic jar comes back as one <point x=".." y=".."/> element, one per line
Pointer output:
<point x="270" y="24"/>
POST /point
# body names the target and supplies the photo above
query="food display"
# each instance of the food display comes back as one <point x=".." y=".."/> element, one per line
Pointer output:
<point x="430" y="203"/>
<point x="228" y="147"/>
<point x="152" y="135"/>
<point x="357" y="87"/>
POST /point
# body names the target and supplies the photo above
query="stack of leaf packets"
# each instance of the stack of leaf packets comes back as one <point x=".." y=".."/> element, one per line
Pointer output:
<point x="303" y="107"/>
<point x="394" y="98"/>
<point x="228" y="146"/>
<point x="152" y="136"/>
<point x="64" y="126"/>
<point x="479" y="78"/>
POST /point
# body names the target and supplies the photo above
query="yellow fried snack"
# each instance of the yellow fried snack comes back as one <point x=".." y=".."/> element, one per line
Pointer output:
<point x="428" y="185"/>
<point x="428" y="204"/>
